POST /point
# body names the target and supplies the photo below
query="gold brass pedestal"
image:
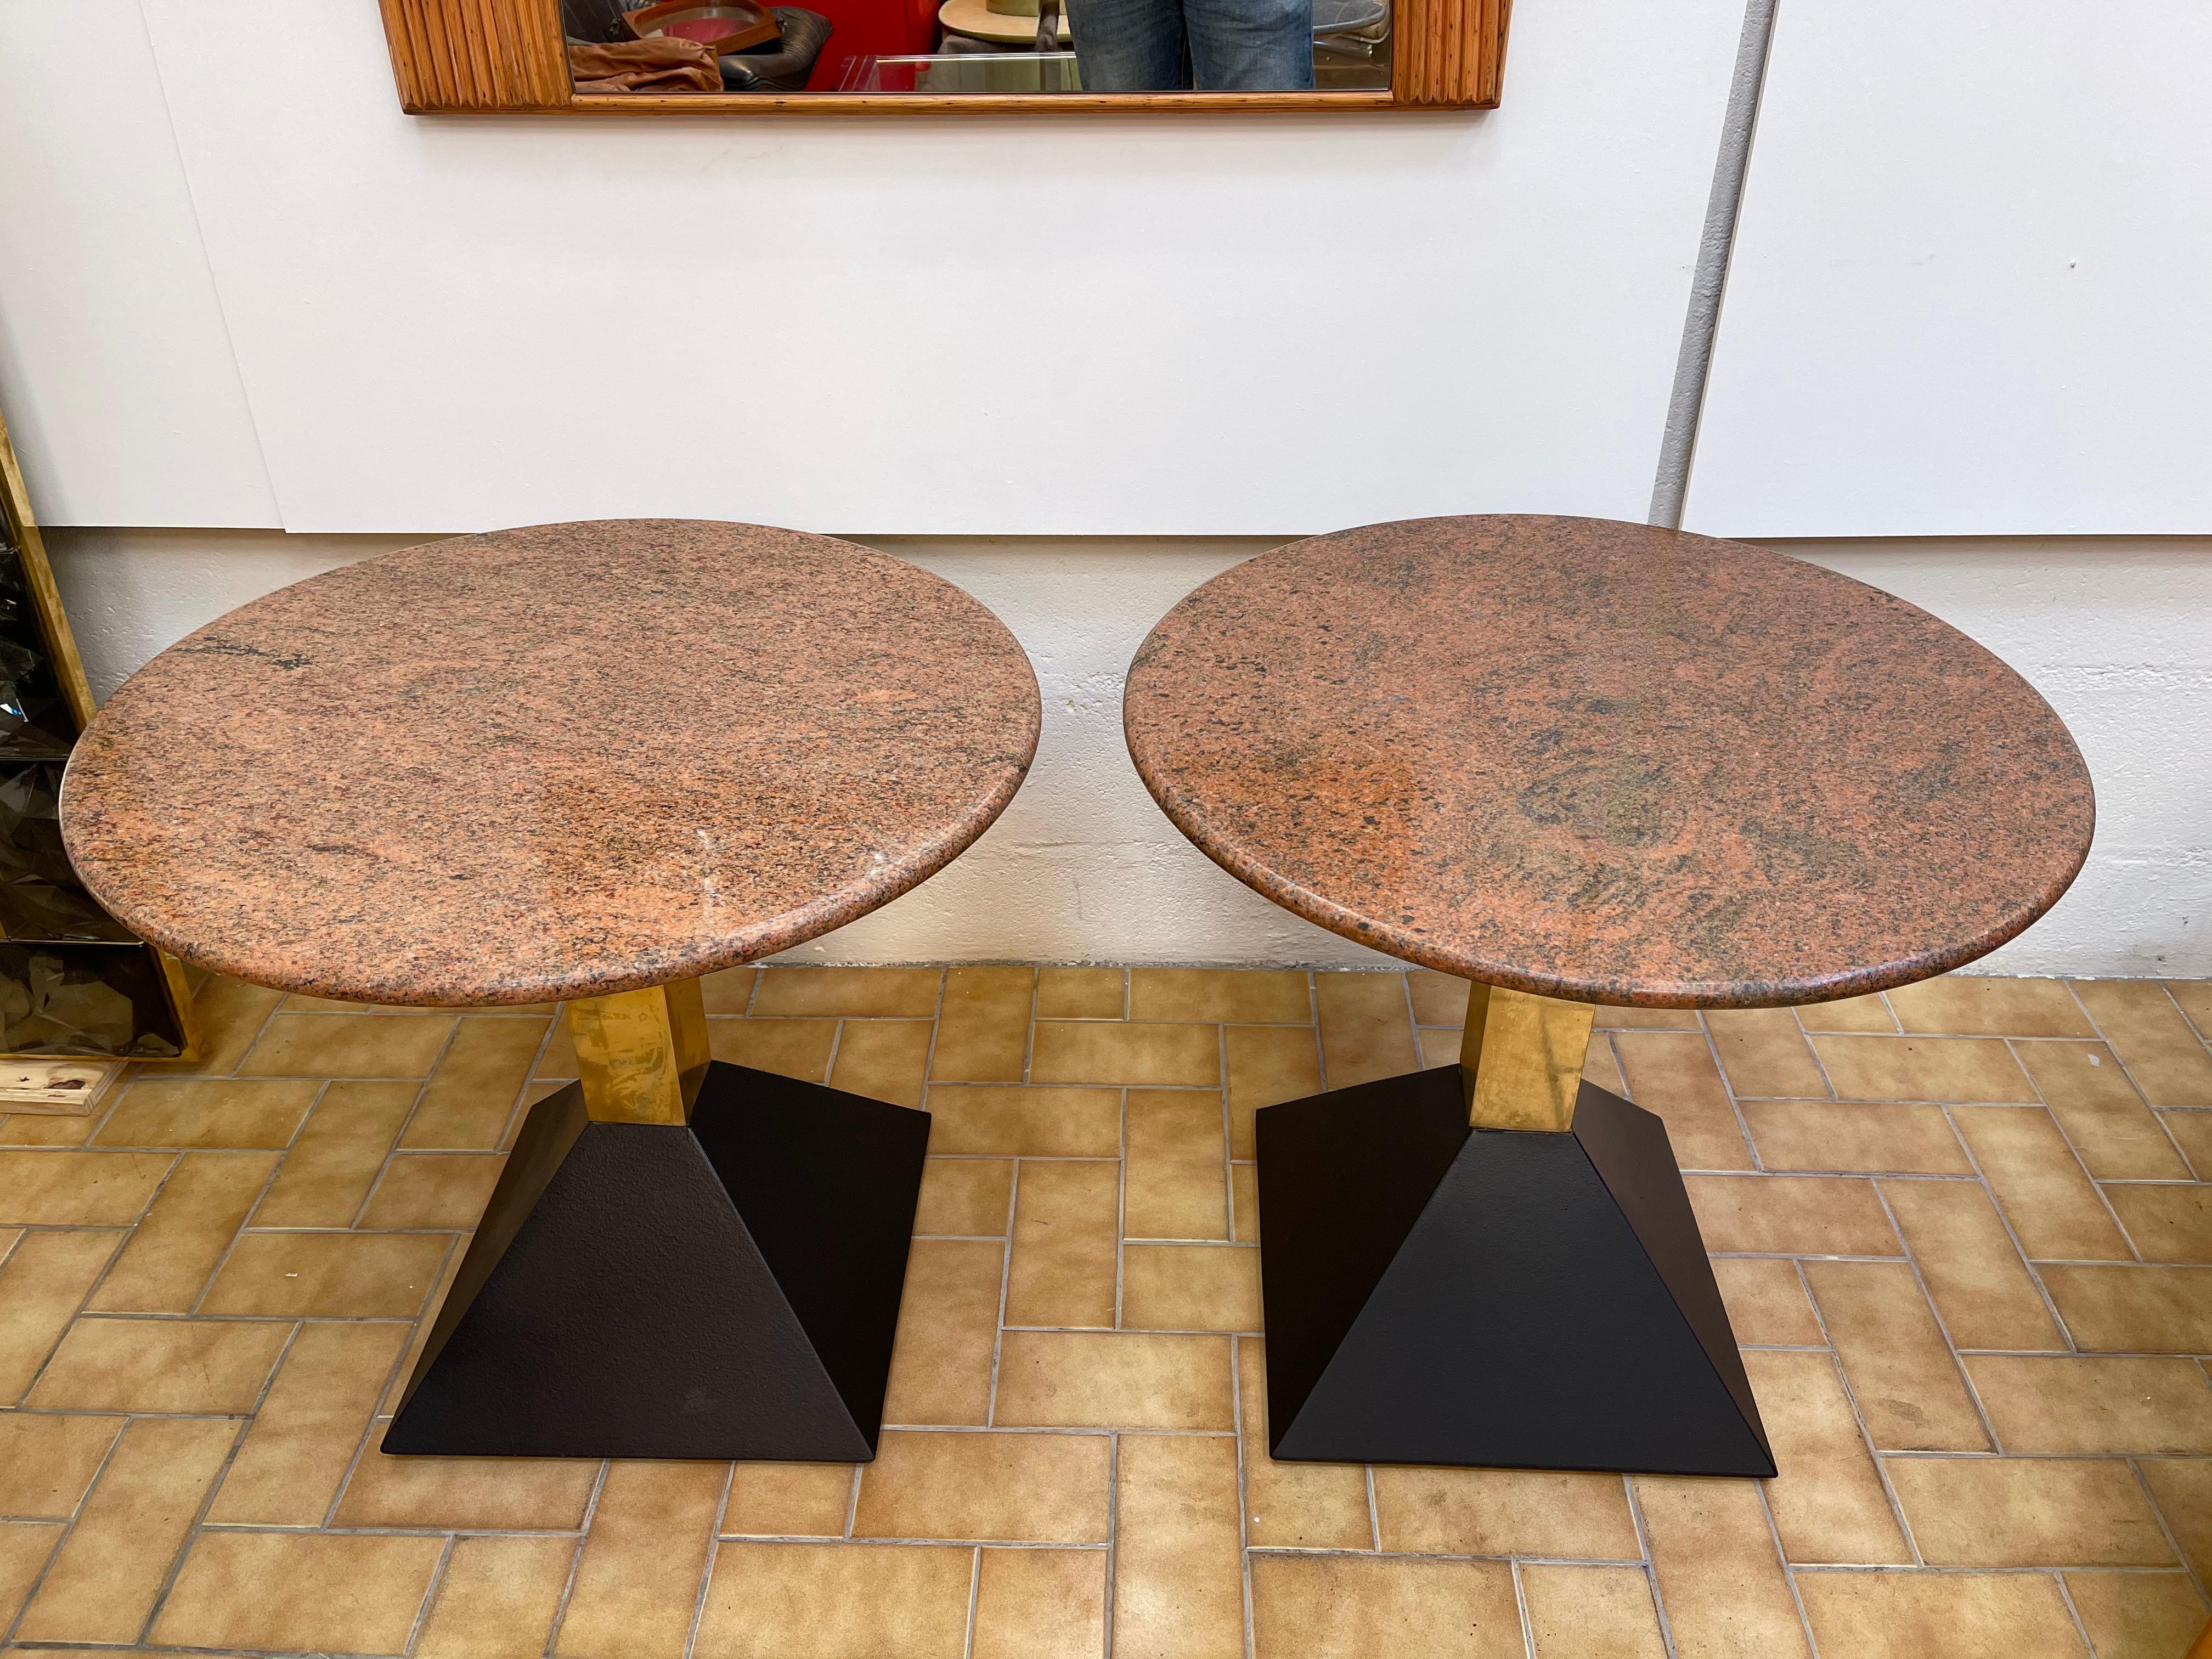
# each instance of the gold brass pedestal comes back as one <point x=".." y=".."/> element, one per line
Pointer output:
<point x="1521" y="1061"/>
<point x="642" y="1055"/>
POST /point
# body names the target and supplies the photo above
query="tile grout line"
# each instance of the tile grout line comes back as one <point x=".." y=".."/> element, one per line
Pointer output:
<point x="714" y="1552"/>
<point x="376" y="1406"/>
<point x="64" y="1533"/>
<point x="1942" y="1327"/>
<point x="1006" y="1281"/>
<point x="1727" y="1088"/>
<point x="2066" y="1600"/>
<point x="2026" y="1262"/>
<point x="1650" y="1567"/>
<point x="1789" y="1573"/>
<point x="430" y="1595"/>
<point x="197" y="1530"/>
<point x="2105" y="1203"/>
<point x="974" y="1586"/>
<point x="576" y="1560"/>
<point x="1521" y="1606"/>
<point x="1113" y="1529"/>
<point x="1243" y="1500"/>
<point x="1858" y="1419"/>
<point x="2165" y="1525"/>
<point x="2128" y="1071"/>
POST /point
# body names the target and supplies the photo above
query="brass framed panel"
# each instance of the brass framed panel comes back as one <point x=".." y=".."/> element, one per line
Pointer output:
<point x="508" y="58"/>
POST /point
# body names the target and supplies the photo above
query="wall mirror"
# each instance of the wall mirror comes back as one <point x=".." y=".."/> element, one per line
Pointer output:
<point x="702" y="57"/>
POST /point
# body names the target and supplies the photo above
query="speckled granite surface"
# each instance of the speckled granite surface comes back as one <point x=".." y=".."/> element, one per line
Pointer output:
<point x="1608" y="762"/>
<point x="555" y="762"/>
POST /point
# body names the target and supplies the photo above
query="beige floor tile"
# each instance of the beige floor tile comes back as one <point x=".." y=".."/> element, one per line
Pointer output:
<point x="1601" y="1064"/>
<point x="1190" y="1287"/>
<point x="25" y="1548"/>
<point x="303" y="1439"/>
<point x="558" y="1059"/>
<point x="982" y="1032"/>
<point x="1040" y="1604"/>
<point x="1910" y="1615"/>
<point x="1720" y="1576"/>
<point x="1767" y="1302"/>
<point x="1648" y="1019"/>
<point x="1975" y="1277"/>
<point x="2091" y="1404"/>
<point x="1312" y="1506"/>
<point x="1884" y="1138"/>
<point x="1828" y="1502"/>
<point x="472" y="1494"/>
<point x="1149" y="1056"/>
<point x="970" y="1197"/>
<point x="1864" y="1014"/>
<point x="1591" y="1613"/>
<point x="1978" y="1069"/>
<point x="1350" y="1607"/>
<point x="1244" y="1202"/>
<point x="38" y="1129"/>
<point x="834" y="1601"/>
<point x="2195" y="998"/>
<point x="328" y="1275"/>
<point x="2152" y="1309"/>
<point x="43" y="1283"/>
<point x="1011" y="1488"/>
<point x="1909" y="1390"/>
<point x="1672" y="1073"/>
<point x="1763" y="1052"/>
<point x="1791" y="1215"/>
<point x="229" y="1014"/>
<point x="425" y="1322"/>
<point x="2192" y="1133"/>
<point x="2167" y="1058"/>
<point x="1440" y="1046"/>
<point x="789" y="1500"/>
<point x="473" y="1092"/>
<point x="1025" y="1122"/>
<point x="2168" y="1223"/>
<point x="789" y="1048"/>
<point x="728" y="992"/>
<point x="2119" y="1137"/>
<point x="1221" y="996"/>
<point x="47" y="1463"/>
<point x="1505" y="1512"/>
<point x="2027" y="1512"/>
<point x="2182" y="1489"/>
<point x="165" y="1111"/>
<point x="1267" y="1067"/>
<point x="1067" y="1234"/>
<point x="78" y="1189"/>
<point x="497" y="1598"/>
<point x="1118" y="1379"/>
<point x="877" y="992"/>
<point x="1441" y="999"/>
<point x="444" y="1190"/>
<point x="882" y="1059"/>
<point x="2039" y="1184"/>
<point x="1082" y="992"/>
<point x="334" y="1592"/>
<point x="103" y="1584"/>
<point x="637" y="1579"/>
<point x="2137" y="1615"/>
<point x="348" y="1045"/>
<point x="1366" y="1028"/>
<point x="1177" y="1146"/>
<point x="1958" y="1004"/>
<point x="108" y="1364"/>
<point x="1177" y="1585"/>
<point x="337" y="1156"/>
<point x="948" y="1325"/>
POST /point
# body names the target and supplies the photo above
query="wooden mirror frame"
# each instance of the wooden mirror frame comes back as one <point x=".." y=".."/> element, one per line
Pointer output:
<point x="510" y="57"/>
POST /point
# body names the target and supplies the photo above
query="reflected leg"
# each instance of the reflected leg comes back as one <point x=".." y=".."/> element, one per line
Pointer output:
<point x="1130" y="46"/>
<point x="1251" y="45"/>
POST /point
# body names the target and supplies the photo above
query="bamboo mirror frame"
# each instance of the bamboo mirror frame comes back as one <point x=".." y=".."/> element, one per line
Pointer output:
<point x="510" y="57"/>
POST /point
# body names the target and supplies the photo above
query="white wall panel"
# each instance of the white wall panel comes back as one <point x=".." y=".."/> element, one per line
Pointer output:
<point x="115" y="369"/>
<point x="1970" y="290"/>
<point x="1068" y="325"/>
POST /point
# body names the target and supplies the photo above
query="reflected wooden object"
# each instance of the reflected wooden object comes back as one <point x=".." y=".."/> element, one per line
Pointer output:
<point x="1520" y="1060"/>
<point x="510" y="56"/>
<point x="640" y="1055"/>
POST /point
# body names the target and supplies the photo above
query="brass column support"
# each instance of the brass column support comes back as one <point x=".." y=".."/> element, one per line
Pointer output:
<point x="1520" y="1060"/>
<point x="641" y="1055"/>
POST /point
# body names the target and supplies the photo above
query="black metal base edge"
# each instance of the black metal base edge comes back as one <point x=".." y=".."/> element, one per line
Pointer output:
<point x="727" y="1289"/>
<point x="1435" y="1294"/>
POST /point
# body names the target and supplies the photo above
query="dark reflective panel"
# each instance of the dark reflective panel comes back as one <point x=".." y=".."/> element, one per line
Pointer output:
<point x="84" y="999"/>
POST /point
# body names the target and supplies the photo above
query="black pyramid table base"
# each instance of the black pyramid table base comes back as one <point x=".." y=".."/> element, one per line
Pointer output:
<point x="1438" y="1294"/>
<point x="726" y="1289"/>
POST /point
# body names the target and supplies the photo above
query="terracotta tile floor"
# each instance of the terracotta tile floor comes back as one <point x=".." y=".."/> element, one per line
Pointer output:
<point x="1962" y="1231"/>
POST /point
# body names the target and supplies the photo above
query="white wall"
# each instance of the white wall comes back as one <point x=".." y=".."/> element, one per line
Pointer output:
<point x="1083" y="867"/>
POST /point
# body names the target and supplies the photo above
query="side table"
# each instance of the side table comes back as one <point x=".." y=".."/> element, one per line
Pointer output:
<point x="591" y="763"/>
<point x="1575" y="762"/>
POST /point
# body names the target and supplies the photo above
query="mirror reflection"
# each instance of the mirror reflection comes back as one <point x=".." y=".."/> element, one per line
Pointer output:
<point x="969" y="46"/>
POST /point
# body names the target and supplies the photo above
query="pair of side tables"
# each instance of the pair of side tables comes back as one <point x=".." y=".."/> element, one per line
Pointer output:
<point x="1573" y="762"/>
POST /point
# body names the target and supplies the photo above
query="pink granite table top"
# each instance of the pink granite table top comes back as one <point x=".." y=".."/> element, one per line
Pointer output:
<point x="1608" y="762"/>
<point x="550" y="762"/>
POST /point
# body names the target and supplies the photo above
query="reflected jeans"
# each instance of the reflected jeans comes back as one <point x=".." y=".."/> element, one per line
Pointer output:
<point x="1214" y="46"/>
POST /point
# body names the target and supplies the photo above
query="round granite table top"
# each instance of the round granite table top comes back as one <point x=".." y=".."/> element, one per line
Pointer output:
<point x="552" y="762"/>
<point x="1608" y="762"/>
